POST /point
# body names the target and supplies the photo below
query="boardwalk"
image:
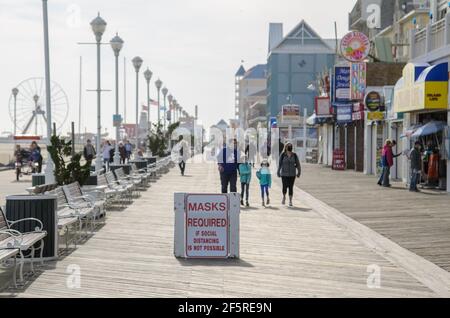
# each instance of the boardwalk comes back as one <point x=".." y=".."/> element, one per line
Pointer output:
<point x="284" y="253"/>
<point x="419" y="222"/>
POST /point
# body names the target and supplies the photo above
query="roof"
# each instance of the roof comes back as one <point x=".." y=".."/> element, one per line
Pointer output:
<point x="241" y="71"/>
<point x="222" y="123"/>
<point x="257" y="72"/>
<point x="304" y="40"/>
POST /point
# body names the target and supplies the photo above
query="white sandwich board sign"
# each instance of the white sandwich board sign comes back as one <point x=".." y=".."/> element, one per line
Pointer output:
<point x="207" y="226"/>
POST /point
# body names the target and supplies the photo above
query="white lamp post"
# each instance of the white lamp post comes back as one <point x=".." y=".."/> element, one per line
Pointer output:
<point x="148" y="77"/>
<point x="117" y="45"/>
<point x="98" y="27"/>
<point x="137" y="63"/>
<point x="170" y="99"/>
<point x="165" y="91"/>
<point x="36" y="100"/>
<point x="158" y="85"/>
<point x="15" y="92"/>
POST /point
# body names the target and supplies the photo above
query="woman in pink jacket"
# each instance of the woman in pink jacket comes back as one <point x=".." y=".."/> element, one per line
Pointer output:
<point x="387" y="161"/>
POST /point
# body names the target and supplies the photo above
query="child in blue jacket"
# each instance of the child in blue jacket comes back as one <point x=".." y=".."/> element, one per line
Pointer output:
<point x="245" y="171"/>
<point x="265" y="180"/>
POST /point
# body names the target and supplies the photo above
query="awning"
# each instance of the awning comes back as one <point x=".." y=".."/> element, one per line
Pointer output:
<point x="429" y="129"/>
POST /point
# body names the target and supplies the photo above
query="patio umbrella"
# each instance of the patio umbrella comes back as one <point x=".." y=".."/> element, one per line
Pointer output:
<point x="429" y="129"/>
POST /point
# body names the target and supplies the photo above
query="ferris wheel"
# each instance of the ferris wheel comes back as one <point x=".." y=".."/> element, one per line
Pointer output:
<point x="31" y="117"/>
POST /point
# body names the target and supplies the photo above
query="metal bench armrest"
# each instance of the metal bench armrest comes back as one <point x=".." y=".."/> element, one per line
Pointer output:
<point x="18" y="238"/>
<point x="37" y="229"/>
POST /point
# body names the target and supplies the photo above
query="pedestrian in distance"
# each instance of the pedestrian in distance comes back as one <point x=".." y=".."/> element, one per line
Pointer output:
<point x="183" y="155"/>
<point x="123" y="153"/>
<point x="36" y="157"/>
<point x="415" y="156"/>
<point x="106" y="152"/>
<point x="387" y="161"/>
<point x="289" y="169"/>
<point x="228" y="165"/>
<point x="265" y="181"/>
<point x="112" y="153"/>
<point x="128" y="150"/>
<point x="383" y="162"/>
<point x="89" y="151"/>
<point x="245" y="172"/>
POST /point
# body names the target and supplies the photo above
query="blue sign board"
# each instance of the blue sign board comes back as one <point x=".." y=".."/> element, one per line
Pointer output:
<point x="344" y="113"/>
<point x="273" y="122"/>
<point x="342" y="83"/>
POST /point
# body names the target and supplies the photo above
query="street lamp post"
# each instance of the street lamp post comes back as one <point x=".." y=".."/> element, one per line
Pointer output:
<point x="158" y="85"/>
<point x="117" y="45"/>
<point x="165" y="91"/>
<point x="98" y="27"/>
<point x="15" y="92"/>
<point x="137" y="63"/>
<point x="148" y="77"/>
<point x="170" y="99"/>
<point x="36" y="100"/>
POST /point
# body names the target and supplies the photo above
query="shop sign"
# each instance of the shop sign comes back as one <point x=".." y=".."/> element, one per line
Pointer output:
<point x="422" y="87"/>
<point x="358" y="116"/>
<point x="355" y="46"/>
<point x="323" y="106"/>
<point x="338" y="160"/>
<point x="375" y="116"/>
<point x="117" y="120"/>
<point x="358" y="81"/>
<point x="344" y="113"/>
<point x="342" y="83"/>
<point x="373" y="101"/>
<point x="291" y="113"/>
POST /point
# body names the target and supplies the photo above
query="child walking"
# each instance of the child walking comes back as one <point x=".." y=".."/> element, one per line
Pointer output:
<point x="265" y="180"/>
<point x="245" y="171"/>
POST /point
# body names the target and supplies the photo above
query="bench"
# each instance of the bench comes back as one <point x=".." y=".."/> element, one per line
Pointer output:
<point x="9" y="253"/>
<point x="143" y="173"/>
<point x="120" y="185"/>
<point x="113" y="191"/>
<point x="23" y="242"/>
<point x="76" y="196"/>
<point x="136" y="180"/>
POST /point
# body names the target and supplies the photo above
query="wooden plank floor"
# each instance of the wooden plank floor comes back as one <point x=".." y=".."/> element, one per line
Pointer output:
<point x="419" y="222"/>
<point x="284" y="253"/>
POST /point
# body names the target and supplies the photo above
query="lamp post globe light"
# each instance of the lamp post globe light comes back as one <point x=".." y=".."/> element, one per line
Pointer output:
<point x="165" y="91"/>
<point x="158" y="85"/>
<point x="98" y="26"/>
<point x="170" y="99"/>
<point x="15" y="92"/>
<point x="148" y="77"/>
<point x="117" y="45"/>
<point x="137" y="63"/>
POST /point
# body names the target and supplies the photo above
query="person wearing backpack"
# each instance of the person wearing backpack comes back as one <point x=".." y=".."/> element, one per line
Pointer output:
<point x="245" y="172"/>
<point x="289" y="169"/>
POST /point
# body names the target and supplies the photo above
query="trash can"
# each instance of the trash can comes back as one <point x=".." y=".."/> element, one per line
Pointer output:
<point x="43" y="208"/>
<point x="126" y="168"/>
<point x="37" y="179"/>
<point x="140" y="164"/>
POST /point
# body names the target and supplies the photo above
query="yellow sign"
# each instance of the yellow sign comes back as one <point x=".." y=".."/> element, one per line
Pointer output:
<point x="422" y="87"/>
<point x="375" y="116"/>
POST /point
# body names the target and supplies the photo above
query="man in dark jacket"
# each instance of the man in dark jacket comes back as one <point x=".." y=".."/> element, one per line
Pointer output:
<point x="416" y="166"/>
<point x="228" y="162"/>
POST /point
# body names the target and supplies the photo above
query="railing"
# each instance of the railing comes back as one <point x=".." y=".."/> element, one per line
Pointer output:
<point x="431" y="38"/>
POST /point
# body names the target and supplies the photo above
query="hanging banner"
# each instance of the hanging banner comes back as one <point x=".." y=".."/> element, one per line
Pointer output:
<point x="373" y="101"/>
<point x="338" y="160"/>
<point x="342" y="83"/>
<point x="358" y="81"/>
<point x="290" y="113"/>
<point x="323" y="107"/>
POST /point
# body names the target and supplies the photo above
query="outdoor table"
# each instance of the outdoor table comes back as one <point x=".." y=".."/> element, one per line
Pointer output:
<point x="41" y="207"/>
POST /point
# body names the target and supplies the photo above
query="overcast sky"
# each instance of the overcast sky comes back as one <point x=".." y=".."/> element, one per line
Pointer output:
<point x="194" y="46"/>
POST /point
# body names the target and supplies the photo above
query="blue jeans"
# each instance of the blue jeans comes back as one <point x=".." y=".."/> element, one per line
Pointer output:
<point x="264" y="190"/>
<point x="414" y="181"/>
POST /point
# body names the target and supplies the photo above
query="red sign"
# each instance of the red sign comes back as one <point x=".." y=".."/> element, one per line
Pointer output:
<point x="25" y="138"/>
<point x="338" y="160"/>
<point x="130" y="130"/>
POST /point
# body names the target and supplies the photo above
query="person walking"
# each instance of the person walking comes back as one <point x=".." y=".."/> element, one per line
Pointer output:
<point x="387" y="161"/>
<point x="183" y="154"/>
<point x="265" y="181"/>
<point x="228" y="159"/>
<point x="123" y="154"/>
<point x="128" y="150"/>
<point x="106" y="154"/>
<point x="245" y="172"/>
<point x="89" y="151"/>
<point x="289" y="168"/>
<point x="383" y="162"/>
<point x="18" y="154"/>
<point x="416" y="166"/>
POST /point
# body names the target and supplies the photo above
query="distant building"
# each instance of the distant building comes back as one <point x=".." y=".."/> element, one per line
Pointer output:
<point x="293" y="62"/>
<point x="252" y="82"/>
<point x="237" y="82"/>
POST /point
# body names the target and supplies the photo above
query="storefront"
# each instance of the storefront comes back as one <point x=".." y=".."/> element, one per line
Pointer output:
<point x="422" y="95"/>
